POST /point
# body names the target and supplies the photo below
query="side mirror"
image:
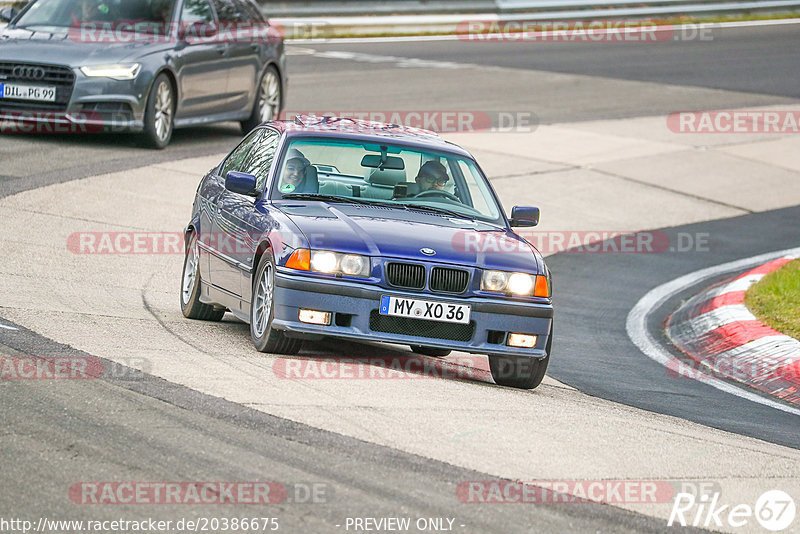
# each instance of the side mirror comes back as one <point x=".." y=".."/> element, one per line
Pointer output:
<point x="524" y="216"/>
<point x="7" y="14"/>
<point x="242" y="183"/>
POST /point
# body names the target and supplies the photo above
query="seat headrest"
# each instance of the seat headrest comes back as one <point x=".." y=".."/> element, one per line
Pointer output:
<point x="387" y="177"/>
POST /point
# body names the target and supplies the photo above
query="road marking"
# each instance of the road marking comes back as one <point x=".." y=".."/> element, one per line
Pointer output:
<point x="402" y="62"/>
<point x="456" y="37"/>
<point x="8" y="327"/>
<point x="636" y="324"/>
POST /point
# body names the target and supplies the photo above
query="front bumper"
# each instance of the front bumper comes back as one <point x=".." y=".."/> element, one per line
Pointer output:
<point x="354" y="308"/>
<point x="88" y="105"/>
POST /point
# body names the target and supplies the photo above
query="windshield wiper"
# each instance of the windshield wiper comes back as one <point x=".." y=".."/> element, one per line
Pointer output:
<point x="436" y="209"/>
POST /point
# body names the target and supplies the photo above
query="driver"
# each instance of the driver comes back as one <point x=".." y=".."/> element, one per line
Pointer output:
<point x="294" y="175"/>
<point x="432" y="175"/>
<point x="91" y="10"/>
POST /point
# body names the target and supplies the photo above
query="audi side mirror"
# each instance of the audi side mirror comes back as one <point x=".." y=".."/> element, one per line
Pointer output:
<point x="524" y="216"/>
<point x="7" y="14"/>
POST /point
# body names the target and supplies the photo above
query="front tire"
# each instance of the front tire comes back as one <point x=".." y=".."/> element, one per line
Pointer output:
<point x="520" y="371"/>
<point x="268" y="100"/>
<point x="191" y="306"/>
<point x="159" y="115"/>
<point x="262" y="312"/>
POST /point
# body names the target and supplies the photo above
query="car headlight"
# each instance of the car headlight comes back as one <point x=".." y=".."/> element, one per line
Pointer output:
<point x="324" y="262"/>
<point x="327" y="262"/>
<point x="519" y="284"/>
<point x="127" y="71"/>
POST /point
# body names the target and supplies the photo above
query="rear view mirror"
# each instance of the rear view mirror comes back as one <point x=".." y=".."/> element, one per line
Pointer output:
<point x="242" y="183"/>
<point x="7" y="14"/>
<point x="524" y="216"/>
<point x="375" y="161"/>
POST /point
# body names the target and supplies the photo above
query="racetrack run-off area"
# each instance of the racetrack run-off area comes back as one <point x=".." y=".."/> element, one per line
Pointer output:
<point x="606" y="412"/>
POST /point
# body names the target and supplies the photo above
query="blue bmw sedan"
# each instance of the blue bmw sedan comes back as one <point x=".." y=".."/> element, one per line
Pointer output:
<point x="366" y="231"/>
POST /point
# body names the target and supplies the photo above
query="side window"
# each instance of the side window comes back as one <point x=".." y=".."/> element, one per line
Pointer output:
<point x="236" y="159"/>
<point x="259" y="160"/>
<point x="227" y="11"/>
<point x="197" y="11"/>
<point x="251" y="11"/>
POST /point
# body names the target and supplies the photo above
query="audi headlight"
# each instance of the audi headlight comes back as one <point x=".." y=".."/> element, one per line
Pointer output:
<point x="127" y="71"/>
<point x="519" y="284"/>
<point x="324" y="261"/>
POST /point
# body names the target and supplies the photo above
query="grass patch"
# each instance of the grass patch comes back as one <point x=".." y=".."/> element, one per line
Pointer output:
<point x="775" y="300"/>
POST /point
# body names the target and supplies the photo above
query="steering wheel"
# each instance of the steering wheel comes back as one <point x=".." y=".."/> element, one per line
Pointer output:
<point x="439" y="192"/>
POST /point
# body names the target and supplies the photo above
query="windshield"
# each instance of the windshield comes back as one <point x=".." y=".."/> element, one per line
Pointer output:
<point x="66" y="13"/>
<point x="334" y="169"/>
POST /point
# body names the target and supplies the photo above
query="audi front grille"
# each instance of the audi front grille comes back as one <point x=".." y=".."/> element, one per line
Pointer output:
<point x="62" y="78"/>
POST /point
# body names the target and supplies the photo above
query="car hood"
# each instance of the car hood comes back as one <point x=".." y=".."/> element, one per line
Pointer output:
<point x="61" y="47"/>
<point x="399" y="233"/>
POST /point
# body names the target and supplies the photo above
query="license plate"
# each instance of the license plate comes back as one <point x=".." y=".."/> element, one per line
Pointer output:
<point x="425" y="309"/>
<point x="28" y="92"/>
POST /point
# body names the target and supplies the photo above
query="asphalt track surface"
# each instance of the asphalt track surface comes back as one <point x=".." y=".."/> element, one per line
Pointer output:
<point x="596" y="355"/>
<point x="204" y="438"/>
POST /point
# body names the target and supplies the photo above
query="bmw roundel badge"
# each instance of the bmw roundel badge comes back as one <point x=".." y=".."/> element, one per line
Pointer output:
<point x="428" y="251"/>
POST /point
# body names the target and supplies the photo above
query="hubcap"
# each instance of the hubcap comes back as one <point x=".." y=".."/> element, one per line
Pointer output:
<point x="263" y="301"/>
<point x="163" y="110"/>
<point x="269" y="96"/>
<point x="190" y="271"/>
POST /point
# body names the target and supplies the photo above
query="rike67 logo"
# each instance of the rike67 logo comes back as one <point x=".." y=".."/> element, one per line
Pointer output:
<point x="774" y="510"/>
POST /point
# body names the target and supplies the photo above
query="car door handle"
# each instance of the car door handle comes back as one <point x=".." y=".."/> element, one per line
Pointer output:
<point x="222" y="49"/>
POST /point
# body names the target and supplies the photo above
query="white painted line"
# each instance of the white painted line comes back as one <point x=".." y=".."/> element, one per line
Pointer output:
<point x="724" y="315"/>
<point x="403" y="62"/>
<point x="636" y="324"/>
<point x="8" y="327"/>
<point x="457" y="37"/>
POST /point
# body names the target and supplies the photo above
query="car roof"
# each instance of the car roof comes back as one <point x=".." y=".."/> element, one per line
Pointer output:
<point x="366" y="131"/>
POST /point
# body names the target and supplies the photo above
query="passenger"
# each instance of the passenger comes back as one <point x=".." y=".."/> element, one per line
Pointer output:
<point x="86" y="10"/>
<point x="296" y="177"/>
<point x="432" y="175"/>
<point x="162" y="11"/>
